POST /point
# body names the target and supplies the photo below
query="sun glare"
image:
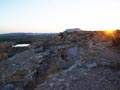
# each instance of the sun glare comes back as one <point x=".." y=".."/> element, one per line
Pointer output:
<point x="109" y="32"/>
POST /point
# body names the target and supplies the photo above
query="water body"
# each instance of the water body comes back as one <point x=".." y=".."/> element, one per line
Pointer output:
<point x="21" y="45"/>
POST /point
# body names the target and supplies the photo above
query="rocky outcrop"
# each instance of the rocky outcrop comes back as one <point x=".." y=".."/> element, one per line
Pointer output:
<point x="73" y="30"/>
<point x="71" y="61"/>
<point x="91" y="60"/>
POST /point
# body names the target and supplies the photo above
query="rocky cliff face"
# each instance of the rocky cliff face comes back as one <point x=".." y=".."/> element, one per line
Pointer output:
<point x="75" y="61"/>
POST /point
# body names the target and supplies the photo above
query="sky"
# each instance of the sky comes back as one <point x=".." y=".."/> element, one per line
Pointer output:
<point x="45" y="16"/>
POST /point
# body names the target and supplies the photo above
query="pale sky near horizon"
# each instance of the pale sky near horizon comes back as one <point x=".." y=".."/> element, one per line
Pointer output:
<point x="58" y="15"/>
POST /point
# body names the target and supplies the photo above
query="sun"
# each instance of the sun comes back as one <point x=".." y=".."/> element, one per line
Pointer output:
<point x="109" y="32"/>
